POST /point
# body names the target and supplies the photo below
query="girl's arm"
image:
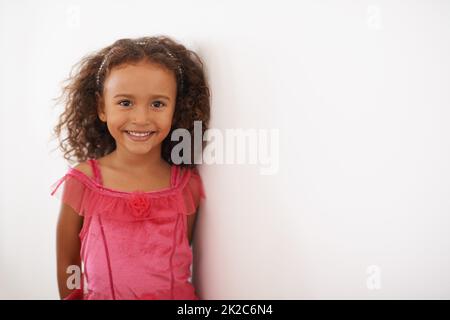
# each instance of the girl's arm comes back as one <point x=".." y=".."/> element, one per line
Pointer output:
<point x="67" y="246"/>
<point x="191" y="225"/>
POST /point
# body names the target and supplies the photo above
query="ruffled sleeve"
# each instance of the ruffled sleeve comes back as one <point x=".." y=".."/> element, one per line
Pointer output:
<point x="71" y="191"/>
<point x="194" y="192"/>
<point x="88" y="198"/>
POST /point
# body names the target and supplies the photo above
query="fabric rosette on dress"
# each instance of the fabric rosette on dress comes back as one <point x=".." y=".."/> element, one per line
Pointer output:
<point x="139" y="204"/>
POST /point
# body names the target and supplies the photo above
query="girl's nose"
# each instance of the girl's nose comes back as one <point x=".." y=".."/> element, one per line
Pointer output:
<point x="141" y="114"/>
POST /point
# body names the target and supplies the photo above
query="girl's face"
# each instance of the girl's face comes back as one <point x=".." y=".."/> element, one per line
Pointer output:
<point x="138" y="97"/>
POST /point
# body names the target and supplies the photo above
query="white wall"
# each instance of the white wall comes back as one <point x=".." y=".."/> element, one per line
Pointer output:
<point x="359" y="91"/>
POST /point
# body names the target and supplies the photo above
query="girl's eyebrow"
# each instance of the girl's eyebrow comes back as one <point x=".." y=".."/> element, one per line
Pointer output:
<point x="131" y="96"/>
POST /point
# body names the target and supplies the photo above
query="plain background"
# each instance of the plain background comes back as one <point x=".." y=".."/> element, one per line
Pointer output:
<point x="359" y="91"/>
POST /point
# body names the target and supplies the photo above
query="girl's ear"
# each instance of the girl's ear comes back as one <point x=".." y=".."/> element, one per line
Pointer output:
<point x="100" y="107"/>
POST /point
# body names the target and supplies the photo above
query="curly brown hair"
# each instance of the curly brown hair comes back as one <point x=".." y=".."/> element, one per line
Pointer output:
<point x="88" y="137"/>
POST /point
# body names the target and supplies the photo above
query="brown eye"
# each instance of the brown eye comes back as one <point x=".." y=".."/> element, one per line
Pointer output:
<point x="126" y="101"/>
<point x="159" y="104"/>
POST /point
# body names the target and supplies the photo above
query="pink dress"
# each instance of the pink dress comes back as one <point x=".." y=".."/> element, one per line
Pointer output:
<point x="134" y="245"/>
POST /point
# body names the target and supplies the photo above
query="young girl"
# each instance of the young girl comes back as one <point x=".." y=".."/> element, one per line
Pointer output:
<point x="128" y="209"/>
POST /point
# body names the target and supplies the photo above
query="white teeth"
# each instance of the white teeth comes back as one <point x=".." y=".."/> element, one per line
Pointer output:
<point x="139" y="134"/>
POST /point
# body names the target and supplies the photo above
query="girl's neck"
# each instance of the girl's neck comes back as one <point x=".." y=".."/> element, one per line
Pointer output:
<point x="136" y="164"/>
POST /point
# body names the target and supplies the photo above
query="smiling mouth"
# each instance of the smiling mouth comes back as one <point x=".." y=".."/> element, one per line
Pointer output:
<point x="139" y="136"/>
<point x="140" y="133"/>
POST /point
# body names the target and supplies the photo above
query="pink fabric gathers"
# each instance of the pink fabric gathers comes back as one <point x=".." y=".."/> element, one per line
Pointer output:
<point x="134" y="245"/>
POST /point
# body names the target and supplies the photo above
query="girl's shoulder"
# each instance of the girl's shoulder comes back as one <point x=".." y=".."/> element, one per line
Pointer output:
<point x="85" y="168"/>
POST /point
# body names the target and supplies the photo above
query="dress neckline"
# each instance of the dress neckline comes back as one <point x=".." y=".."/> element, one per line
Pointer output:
<point x="173" y="175"/>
